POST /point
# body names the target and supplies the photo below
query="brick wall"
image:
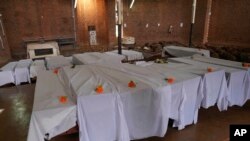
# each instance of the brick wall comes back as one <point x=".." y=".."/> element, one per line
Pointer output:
<point x="92" y="13"/>
<point x="149" y="21"/>
<point x="35" y="19"/>
<point x="230" y="23"/>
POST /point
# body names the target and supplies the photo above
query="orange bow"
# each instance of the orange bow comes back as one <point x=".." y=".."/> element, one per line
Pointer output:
<point x="99" y="89"/>
<point x="246" y="65"/>
<point x="55" y="71"/>
<point x="210" y="69"/>
<point x="170" y="80"/>
<point x="63" y="99"/>
<point x="131" y="84"/>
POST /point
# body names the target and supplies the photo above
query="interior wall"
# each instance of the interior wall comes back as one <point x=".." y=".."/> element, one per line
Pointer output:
<point x="35" y="19"/>
<point x="149" y="21"/>
<point x="201" y="22"/>
<point x="112" y="40"/>
<point x="230" y="23"/>
<point x="5" y="55"/>
<point x="92" y="13"/>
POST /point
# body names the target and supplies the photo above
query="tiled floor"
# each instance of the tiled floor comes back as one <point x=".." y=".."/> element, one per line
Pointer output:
<point x="212" y="125"/>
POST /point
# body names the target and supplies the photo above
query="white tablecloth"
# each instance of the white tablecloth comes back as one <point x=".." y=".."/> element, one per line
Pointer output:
<point x="70" y="59"/>
<point x="22" y="73"/>
<point x="36" y="67"/>
<point x="238" y="80"/>
<point x="129" y="54"/>
<point x="96" y="57"/>
<point x="55" y="62"/>
<point x="182" y="116"/>
<point x="49" y="116"/>
<point x="7" y="74"/>
<point x="127" y="113"/>
<point x="156" y="74"/>
<point x="217" y="61"/>
<point x="179" y="51"/>
<point x="186" y="94"/>
<point x="214" y="83"/>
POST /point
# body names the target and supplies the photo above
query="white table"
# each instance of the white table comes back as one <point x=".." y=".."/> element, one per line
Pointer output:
<point x="155" y="77"/>
<point x="186" y="94"/>
<point x="179" y="51"/>
<point x="120" y="113"/>
<point x="22" y="73"/>
<point x="184" y="109"/>
<point x="36" y="67"/>
<point x="7" y="74"/>
<point x="96" y="57"/>
<point x="214" y="83"/>
<point x="238" y="80"/>
<point x="49" y="116"/>
<point x="217" y="61"/>
<point x="55" y="62"/>
<point x="129" y="54"/>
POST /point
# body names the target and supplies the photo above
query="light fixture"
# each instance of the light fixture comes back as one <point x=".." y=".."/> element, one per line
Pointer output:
<point x="131" y="4"/>
<point x="75" y="4"/>
<point x="1" y="110"/>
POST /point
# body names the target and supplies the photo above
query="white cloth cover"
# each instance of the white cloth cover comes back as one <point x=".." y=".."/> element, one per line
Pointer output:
<point x="129" y="54"/>
<point x="36" y="67"/>
<point x="49" y="116"/>
<point x="186" y="94"/>
<point x="55" y="62"/>
<point x="179" y="51"/>
<point x="156" y="75"/>
<point x="222" y="62"/>
<point x="238" y="80"/>
<point x="7" y="74"/>
<point x="156" y="79"/>
<point x="214" y="84"/>
<point x="70" y="58"/>
<point x="96" y="57"/>
<point x="120" y="113"/>
<point x="143" y="63"/>
<point x="22" y="73"/>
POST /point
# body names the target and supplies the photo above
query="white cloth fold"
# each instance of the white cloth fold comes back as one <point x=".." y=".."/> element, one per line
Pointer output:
<point x="22" y="73"/>
<point x="49" y="116"/>
<point x="128" y="113"/>
<point x="55" y="62"/>
<point x="179" y="51"/>
<point x="96" y="57"/>
<point x="7" y="73"/>
<point x="129" y="54"/>
<point x="237" y="80"/>
<point x="36" y="67"/>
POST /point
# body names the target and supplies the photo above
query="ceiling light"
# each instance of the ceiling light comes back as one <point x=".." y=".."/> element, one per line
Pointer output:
<point x="132" y="3"/>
